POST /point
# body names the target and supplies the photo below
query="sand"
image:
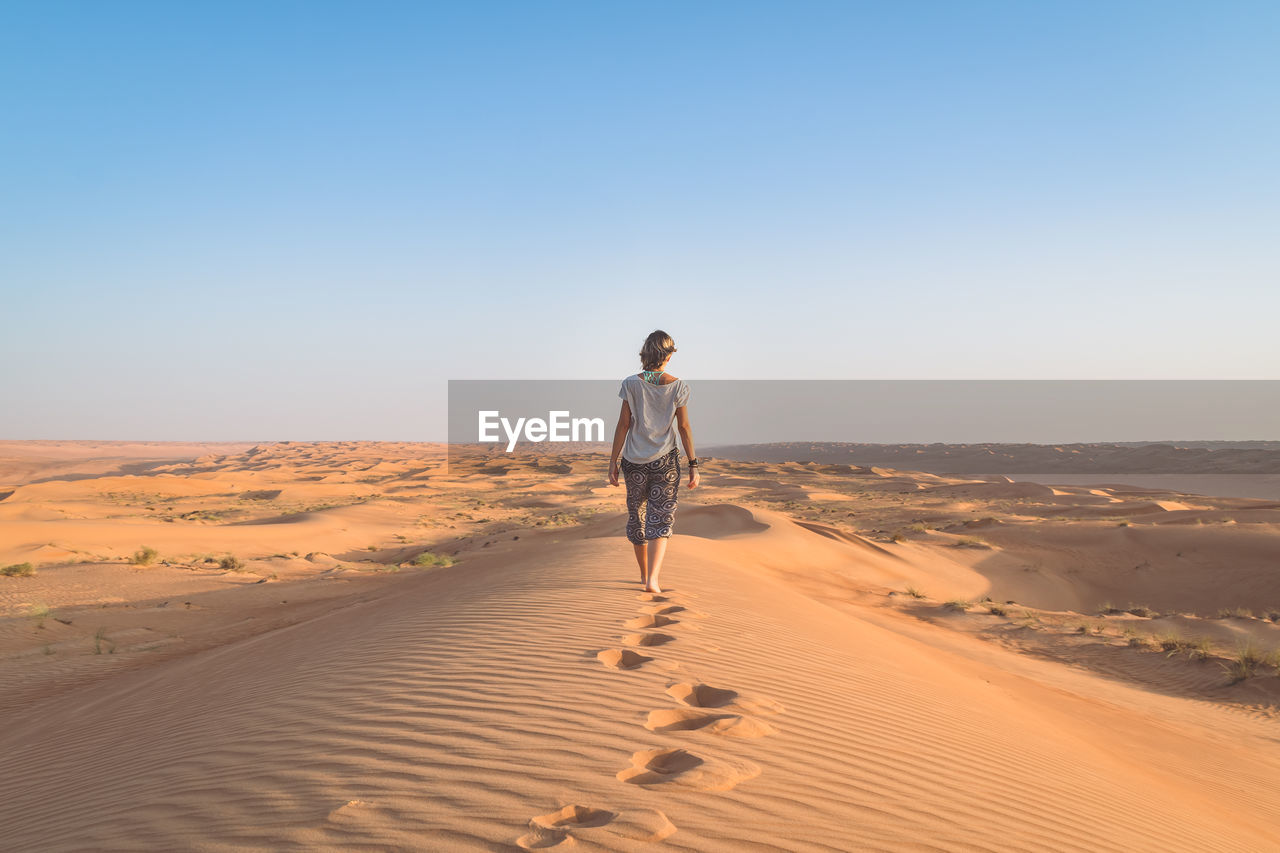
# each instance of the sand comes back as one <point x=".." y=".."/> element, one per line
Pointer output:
<point x="842" y="659"/>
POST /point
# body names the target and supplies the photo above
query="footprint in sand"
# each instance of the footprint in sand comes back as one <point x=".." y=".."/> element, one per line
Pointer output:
<point x="680" y="768"/>
<point x="717" y="723"/>
<point x="647" y="639"/>
<point x="697" y="695"/>
<point x="664" y="609"/>
<point x="559" y="828"/>
<point x="622" y="659"/>
<point x="650" y="622"/>
<point x="701" y="695"/>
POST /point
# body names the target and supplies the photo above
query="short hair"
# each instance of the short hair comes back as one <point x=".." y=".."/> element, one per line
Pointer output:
<point x="657" y="348"/>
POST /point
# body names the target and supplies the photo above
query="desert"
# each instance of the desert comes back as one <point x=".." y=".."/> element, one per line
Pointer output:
<point x="716" y="427"/>
<point x="386" y="646"/>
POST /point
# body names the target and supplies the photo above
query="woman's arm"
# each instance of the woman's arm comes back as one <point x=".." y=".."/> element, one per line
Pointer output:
<point x="619" y="439"/>
<point x="686" y="438"/>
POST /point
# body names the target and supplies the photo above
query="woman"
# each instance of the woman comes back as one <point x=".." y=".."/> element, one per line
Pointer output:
<point x="654" y="410"/>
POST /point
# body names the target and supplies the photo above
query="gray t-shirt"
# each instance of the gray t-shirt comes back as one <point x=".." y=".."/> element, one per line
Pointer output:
<point x="653" y="417"/>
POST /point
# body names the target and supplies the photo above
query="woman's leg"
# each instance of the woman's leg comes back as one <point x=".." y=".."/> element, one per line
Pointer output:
<point x="642" y="557"/>
<point x="660" y="514"/>
<point x="657" y="550"/>
<point x="637" y="490"/>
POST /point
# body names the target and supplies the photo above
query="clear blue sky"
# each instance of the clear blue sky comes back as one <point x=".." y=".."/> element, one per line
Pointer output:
<point x="296" y="220"/>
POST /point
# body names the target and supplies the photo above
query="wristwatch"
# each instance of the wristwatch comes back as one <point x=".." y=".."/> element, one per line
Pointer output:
<point x="693" y="462"/>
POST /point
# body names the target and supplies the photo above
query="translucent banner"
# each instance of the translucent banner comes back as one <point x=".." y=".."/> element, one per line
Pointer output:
<point x="989" y="426"/>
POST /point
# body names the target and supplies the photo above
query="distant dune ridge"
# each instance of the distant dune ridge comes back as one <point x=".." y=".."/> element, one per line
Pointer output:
<point x="1196" y="457"/>
<point x="351" y="645"/>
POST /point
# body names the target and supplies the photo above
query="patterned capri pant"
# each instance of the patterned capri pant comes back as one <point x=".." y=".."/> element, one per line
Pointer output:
<point x="652" y="485"/>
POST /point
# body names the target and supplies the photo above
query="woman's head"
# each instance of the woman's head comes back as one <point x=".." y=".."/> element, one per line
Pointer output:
<point x="657" y="348"/>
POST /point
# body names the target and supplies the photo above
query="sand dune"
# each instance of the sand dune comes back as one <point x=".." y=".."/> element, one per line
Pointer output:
<point x="1185" y="457"/>
<point x="784" y="692"/>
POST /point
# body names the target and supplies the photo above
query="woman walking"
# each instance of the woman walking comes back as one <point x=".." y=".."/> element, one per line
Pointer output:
<point x="654" y="411"/>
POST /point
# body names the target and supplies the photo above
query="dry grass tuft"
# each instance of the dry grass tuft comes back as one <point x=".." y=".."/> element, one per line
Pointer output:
<point x="1245" y="664"/>
<point x="430" y="560"/>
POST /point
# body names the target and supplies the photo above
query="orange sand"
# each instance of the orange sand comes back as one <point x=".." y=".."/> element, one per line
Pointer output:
<point x="821" y="673"/>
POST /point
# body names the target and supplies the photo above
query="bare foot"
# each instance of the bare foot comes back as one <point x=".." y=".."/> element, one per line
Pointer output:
<point x="652" y="588"/>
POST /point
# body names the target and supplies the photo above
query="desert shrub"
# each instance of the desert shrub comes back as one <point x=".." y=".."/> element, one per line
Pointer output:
<point x="1195" y="649"/>
<point x="996" y="610"/>
<point x="231" y="563"/>
<point x="145" y="556"/>
<point x="18" y="570"/>
<point x="40" y="612"/>
<point x="1245" y="664"/>
<point x="1199" y="649"/>
<point x="1140" y="610"/>
<point x="914" y="593"/>
<point x="427" y="558"/>
<point x="99" y="638"/>
<point x="957" y="604"/>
